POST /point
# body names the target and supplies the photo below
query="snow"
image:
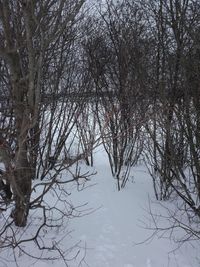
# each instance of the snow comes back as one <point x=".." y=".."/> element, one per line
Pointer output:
<point x="114" y="231"/>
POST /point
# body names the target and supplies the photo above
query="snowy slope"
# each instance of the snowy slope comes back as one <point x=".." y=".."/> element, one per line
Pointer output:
<point x="109" y="235"/>
<point x="113" y="232"/>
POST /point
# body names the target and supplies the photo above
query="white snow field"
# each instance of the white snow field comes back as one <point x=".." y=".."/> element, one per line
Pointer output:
<point x="110" y="235"/>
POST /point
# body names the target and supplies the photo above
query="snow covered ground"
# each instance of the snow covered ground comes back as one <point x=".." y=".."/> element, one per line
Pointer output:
<point x="110" y="235"/>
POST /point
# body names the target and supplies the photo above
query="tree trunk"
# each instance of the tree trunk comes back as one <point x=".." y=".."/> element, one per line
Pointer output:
<point x="21" y="177"/>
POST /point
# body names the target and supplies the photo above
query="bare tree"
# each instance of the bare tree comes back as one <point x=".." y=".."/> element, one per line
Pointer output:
<point x="116" y="62"/>
<point x="32" y="35"/>
<point x="173" y="148"/>
<point x="42" y="79"/>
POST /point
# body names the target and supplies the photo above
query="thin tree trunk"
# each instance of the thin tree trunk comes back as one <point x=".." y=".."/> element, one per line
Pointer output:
<point x="21" y="177"/>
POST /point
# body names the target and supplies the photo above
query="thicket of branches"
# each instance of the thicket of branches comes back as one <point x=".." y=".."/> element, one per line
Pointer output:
<point x="144" y="61"/>
<point x="126" y="73"/>
<point x="40" y="67"/>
